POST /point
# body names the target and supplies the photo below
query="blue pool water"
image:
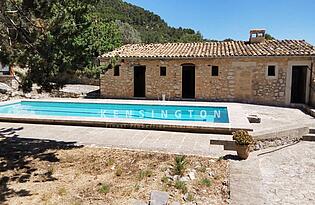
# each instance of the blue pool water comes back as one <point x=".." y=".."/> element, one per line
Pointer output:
<point x="122" y="111"/>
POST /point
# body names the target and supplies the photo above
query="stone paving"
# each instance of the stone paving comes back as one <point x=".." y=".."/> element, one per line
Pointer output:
<point x="275" y="119"/>
<point x="283" y="175"/>
<point x="147" y="140"/>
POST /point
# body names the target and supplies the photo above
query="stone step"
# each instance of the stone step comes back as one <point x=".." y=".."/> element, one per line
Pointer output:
<point x="228" y="144"/>
<point x="309" y="137"/>
<point x="312" y="130"/>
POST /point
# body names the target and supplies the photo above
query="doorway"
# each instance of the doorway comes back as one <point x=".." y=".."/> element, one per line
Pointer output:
<point x="139" y="81"/>
<point x="188" y="81"/>
<point x="298" y="87"/>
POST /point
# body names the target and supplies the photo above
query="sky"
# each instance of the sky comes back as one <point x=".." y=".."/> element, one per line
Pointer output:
<point x="221" y="19"/>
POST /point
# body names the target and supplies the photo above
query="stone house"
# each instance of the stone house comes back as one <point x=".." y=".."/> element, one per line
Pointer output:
<point x="256" y="71"/>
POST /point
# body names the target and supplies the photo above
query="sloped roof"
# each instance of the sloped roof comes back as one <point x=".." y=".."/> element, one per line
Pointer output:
<point x="214" y="49"/>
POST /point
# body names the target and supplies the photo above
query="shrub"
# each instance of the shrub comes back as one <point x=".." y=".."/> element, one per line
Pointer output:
<point x="179" y="166"/>
<point x="180" y="185"/>
<point x="62" y="191"/>
<point x="104" y="189"/>
<point x="242" y="137"/>
<point x="190" y="197"/>
<point x="144" y="174"/>
<point x="206" y="182"/>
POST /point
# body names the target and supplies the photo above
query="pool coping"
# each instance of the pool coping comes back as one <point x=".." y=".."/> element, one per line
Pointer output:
<point x="237" y="118"/>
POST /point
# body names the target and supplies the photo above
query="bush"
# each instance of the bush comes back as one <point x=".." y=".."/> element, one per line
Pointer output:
<point x="242" y="137"/>
<point x="206" y="182"/>
<point x="104" y="189"/>
<point x="180" y="185"/>
<point x="179" y="166"/>
<point x="144" y="174"/>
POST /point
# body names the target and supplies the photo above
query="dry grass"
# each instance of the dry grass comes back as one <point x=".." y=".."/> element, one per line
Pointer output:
<point x="108" y="176"/>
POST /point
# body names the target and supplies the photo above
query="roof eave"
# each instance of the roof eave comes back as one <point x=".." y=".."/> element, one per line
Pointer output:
<point x="204" y="57"/>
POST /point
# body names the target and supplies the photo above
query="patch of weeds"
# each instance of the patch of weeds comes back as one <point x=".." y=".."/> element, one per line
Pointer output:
<point x="104" y="189"/>
<point x="206" y="182"/>
<point x="136" y="187"/>
<point x="180" y="185"/>
<point x="110" y="162"/>
<point x="144" y="174"/>
<point x="179" y="165"/>
<point x="190" y="197"/>
<point x="62" y="191"/>
<point x="202" y="169"/>
<point x="119" y="171"/>
<point x="165" y="180"/>
<point x="220" y="158"/>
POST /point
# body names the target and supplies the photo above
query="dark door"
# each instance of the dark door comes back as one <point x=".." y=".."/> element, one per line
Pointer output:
<point x="139" y="81"/>
<point x="188" y="81"/>
<point x="298" y="88"/>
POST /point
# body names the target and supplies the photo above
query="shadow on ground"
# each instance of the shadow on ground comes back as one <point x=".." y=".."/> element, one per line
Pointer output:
<point x="93" y="94"/>
<point x="17" y="153"/>
<point x="232" y="157"/>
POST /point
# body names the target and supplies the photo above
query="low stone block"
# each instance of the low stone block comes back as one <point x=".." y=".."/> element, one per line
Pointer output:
<point x="159" y="198"/>
<point x="254" y="119"/>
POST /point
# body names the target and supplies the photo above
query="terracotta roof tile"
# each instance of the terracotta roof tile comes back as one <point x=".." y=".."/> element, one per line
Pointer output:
<point x="215" y="49"/>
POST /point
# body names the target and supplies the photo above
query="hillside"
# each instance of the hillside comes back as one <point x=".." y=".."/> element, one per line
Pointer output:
<point x="140" y="25"/>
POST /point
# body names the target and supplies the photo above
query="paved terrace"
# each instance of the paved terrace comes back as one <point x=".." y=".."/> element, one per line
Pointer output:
<point x="281" y="175"/>
<point x="147" y="140"/>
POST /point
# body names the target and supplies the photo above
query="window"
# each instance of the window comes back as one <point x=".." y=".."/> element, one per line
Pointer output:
<point x="162" y="71"/>
<point x="271" y="71"/>
<point x="116" y="70"/>
<point x="215" y="71"/>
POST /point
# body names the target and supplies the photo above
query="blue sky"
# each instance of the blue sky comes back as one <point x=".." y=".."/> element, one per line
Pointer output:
<point x="220" y="19"/>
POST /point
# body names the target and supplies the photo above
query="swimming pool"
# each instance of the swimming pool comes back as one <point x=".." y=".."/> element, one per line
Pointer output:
<point x="211" y="114"/>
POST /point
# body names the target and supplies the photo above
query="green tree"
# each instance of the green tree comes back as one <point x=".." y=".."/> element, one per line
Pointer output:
<point x="129" y="34"/>
<point x="54" y="37"/>
<point x="188" y="38"/>
<point x="269" y="37"/>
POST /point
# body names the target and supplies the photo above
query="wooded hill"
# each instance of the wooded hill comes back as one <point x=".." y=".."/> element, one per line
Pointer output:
<point x="139" y="25"/>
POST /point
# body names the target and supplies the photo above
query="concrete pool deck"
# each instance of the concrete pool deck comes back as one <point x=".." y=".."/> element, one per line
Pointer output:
<point x="144" y="140"/>
<point x="273" y="120"/>
<point x="237" y="119"/>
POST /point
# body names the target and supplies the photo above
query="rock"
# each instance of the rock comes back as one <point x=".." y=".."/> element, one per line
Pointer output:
<point x="175" y="177"/>
<point x="28" y="95"/>
<point x="211" y="174"/>
<point x="192" y="175"/>
<point x="4" y="88"/>
<point x="15" y="93"/>
<point x="184" y="179"/>
<point x="159" y="198"/>
<point x="225" y="182"/>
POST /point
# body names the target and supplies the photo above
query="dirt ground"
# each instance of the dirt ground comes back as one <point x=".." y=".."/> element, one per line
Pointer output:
<point x="49" y="172"/>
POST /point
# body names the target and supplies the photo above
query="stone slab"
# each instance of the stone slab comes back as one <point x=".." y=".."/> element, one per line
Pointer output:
<point x="159" y="198"/>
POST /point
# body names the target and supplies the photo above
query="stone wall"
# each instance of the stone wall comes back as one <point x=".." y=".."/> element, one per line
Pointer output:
<point x="240" y="79"/>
